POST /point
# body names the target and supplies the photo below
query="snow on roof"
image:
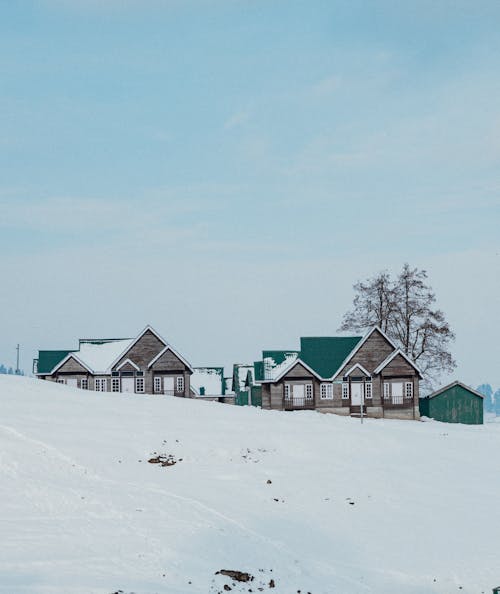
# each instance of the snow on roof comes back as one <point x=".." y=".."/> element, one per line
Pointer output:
<point x="272" y="369"/>
<point x="243" y="374"/>
<point x="100" y="355"/>
<point x="208" y="380"/>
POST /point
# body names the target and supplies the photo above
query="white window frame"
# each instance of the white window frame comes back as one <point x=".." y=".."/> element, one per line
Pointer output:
<point x="326" y="392"/>
<point x="409" y="390"/>
<point x="368" y="390"/>
<point x="100" y="384"/>
<point x="84" y="383"/>
<point x="387" y="390"/>
<point x="179" y="383"/>
<point x="345" y="390"/>
<point x="60" y="380"/>
<point x="115" y="384"/>
<point x="287" y="392"/>
<point x="308" y="391"/>
<point x="157" y="384"/>
<point x="139" y="385"/>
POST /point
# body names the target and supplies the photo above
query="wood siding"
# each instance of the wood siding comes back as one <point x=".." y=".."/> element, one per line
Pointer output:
<point x="399" y="366"/>
<point x="71" y="366"/>
<point x="143" y="351"/>
<point x="168" y="362"/>
<point x="371" y="354"/>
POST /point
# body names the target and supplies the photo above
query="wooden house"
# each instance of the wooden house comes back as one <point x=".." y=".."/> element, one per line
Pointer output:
<point x="455" y="403"/>
<point x="146" y="364"/>
<point x="343" y="375"/>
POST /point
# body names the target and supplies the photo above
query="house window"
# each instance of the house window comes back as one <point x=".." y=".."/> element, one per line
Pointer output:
<point x="309" y="391"/>
<point x="409" y="390"/>
<point x="387" y="390"/>
<point x="368" y="390"/>
<point x="180" y="384"/>
<point x="139" y="385"/>
<point x="61" y="381"/>
<point x="115" y="384"/>
<point x="345" y="391"/>
<point x="84" y="383"/>
<point x="157" y="384"/>
<point x="100" y="384"/>
<point x="287" y="391"/>
<point x="326" y="392"/>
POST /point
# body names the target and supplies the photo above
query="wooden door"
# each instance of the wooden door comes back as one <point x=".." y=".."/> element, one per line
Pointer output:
<point x="128" y="385"/>
<point x="168" y="385"/>
<point x="356" y="393"/>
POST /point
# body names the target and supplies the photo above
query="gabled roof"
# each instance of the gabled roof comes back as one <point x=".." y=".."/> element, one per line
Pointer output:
<point x="130" y="362"/>
<point x="172" y="350"/>
<point x="67" y="358"/>
<point x="360" y="343"/>
<point x="273" y="362"/>
<point x="325" y="354"/>
<point x="452" y="385"/>
<point x="358" y="366"/>
<point x="288" y="368"/>
<point x="47" y="360"/>
<point x="391" y="357"/>
<point x="99" y="355"/>
<point x="135" y="340"/>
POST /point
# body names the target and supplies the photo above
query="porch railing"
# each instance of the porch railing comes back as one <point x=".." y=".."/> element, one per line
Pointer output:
<point x="398" y="402"/>
<point x="298" y="403"/>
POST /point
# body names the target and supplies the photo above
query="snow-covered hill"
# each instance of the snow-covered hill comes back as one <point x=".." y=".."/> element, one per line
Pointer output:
<point x="317" y="503"/>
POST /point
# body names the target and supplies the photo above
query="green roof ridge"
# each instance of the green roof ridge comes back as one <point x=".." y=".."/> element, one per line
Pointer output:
<point x="325" y="354"/>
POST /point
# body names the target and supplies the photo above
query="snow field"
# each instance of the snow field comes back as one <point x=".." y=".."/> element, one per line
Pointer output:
<point x="386" y="507"/>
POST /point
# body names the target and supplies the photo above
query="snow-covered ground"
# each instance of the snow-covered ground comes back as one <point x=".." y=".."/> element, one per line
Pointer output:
<point x="317" y="503"/>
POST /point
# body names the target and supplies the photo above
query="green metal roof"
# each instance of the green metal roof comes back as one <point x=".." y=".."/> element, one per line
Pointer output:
<point x="278" y="356"/>
<point x="47" y="360"/>
<point x="325" y="354"/>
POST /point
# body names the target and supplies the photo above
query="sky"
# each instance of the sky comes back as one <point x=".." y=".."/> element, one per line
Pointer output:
<point x="226" y="170"/>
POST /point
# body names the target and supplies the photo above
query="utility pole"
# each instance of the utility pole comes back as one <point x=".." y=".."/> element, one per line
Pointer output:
<point x="17" y="360"/>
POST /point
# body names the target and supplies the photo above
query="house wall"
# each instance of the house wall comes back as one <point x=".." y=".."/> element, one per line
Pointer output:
<point x="170" y="365"/>
<point x="72" y="366"/>
<point x="143" y="351"/>
<point x="398" y="366"/>
<point x="371" y="354"/>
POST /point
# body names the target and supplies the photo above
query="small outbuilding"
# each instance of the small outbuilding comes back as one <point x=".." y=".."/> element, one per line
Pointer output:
<point x="455" y="403"/>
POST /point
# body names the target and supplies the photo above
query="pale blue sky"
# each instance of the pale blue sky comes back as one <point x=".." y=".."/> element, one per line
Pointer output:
<point x="227" y="170"/>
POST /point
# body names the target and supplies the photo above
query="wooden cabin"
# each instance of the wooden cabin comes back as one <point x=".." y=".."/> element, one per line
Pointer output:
<point x="343" y="375"/>
<point x="146" y="364"/>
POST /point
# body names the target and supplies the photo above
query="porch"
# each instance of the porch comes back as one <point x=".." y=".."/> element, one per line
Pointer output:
<point x="298" y="403"/>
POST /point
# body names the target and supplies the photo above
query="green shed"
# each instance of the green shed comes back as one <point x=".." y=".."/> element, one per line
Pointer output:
<point x="455" y="403"/>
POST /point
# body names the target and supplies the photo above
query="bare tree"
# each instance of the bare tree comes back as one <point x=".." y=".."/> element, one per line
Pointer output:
<point x="405" y="310"/>
<point x="374" y="304"/>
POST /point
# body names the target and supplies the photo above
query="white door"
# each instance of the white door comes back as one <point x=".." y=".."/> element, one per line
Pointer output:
<point x="128" y="385"/>
<point x="168" y="385"/>
<point x="298" y="393"/>
<point x="397" y="393"/>
<point x="356" y="393"/>
<point x="72" y="381"/>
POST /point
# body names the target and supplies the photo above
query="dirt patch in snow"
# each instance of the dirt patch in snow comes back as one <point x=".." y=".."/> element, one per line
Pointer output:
<point x="164" y="459"/>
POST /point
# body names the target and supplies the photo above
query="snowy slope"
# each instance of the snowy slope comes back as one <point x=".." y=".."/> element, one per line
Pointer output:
<point x="387" y="507"/>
